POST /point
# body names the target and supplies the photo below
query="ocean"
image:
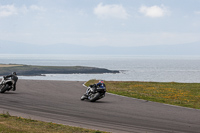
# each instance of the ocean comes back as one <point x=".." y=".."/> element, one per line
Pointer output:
<point x="132" y="68"/>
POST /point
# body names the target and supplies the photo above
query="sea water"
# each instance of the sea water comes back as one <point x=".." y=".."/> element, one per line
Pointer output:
<point x="131" y="67"/>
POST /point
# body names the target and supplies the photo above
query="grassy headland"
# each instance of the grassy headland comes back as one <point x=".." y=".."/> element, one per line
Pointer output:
<point x="29" y="70"/>
<point x="8" y="65"/>
<point x="181" y="94"/>
<point x="12" y="124"/>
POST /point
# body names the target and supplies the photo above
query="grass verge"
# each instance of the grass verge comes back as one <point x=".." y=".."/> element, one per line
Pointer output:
<point x="12" y="124"/>
<point x="181" y="94"/>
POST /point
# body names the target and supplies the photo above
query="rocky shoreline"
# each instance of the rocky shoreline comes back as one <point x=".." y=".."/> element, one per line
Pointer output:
<point x="29" y="70"/>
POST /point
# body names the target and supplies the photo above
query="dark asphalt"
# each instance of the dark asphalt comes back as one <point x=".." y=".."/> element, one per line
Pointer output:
<point x="59" y="102"/>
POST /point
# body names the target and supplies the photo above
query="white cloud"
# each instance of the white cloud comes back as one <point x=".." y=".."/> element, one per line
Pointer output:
<point x="110" y="11"/>
<point x="36" y="8"/>
<point x="197" y="12"/>
<point x="7" y="10"/>
<point x="23" y="9"/>
<point x="154" y="11"/>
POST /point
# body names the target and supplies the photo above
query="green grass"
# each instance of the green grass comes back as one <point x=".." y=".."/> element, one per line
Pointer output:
<point x="12" y="124"/>
<point x="181" y="94"/>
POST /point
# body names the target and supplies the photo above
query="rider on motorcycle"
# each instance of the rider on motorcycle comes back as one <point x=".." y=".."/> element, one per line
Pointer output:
<point x="99" y="84"/>
<point x="14" y="79"/>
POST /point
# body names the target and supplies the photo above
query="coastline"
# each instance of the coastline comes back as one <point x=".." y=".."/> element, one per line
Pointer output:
<point x="132" y="68"/>
<point x="31" y="70"/>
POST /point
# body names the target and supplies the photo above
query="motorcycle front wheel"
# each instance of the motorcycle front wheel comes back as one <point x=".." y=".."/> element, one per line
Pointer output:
<point x="83" y="97"/>
<point x="94" y="97"/>
<point x="3" y="88"/>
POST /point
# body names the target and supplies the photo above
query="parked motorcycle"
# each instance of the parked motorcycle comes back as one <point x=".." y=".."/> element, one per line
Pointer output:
<point x="94" y="93"/>
<point x="5" y="85"/>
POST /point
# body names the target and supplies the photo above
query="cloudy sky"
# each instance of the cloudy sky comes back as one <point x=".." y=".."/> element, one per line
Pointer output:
<point x="100" y="22"/>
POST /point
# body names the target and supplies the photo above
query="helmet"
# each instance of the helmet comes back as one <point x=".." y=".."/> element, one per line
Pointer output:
<point x="101" y="81"/>
<point x="14" y="73"/>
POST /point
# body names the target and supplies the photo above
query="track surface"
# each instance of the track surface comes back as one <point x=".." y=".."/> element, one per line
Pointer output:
<point x="59" y="102"/>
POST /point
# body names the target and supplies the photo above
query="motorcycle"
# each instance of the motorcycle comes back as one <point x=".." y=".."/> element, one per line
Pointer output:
<point x="94" y="93"/>
<point x="5" y="85"/>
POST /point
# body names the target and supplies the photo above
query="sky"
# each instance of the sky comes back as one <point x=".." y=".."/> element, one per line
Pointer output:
<point x="113" y="23"/>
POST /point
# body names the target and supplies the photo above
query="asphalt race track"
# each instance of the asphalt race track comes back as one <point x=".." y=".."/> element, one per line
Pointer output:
<point x="59" y="102"/>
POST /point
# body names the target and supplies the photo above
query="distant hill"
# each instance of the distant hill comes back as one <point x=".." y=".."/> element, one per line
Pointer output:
<point x="8" y="47"/>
